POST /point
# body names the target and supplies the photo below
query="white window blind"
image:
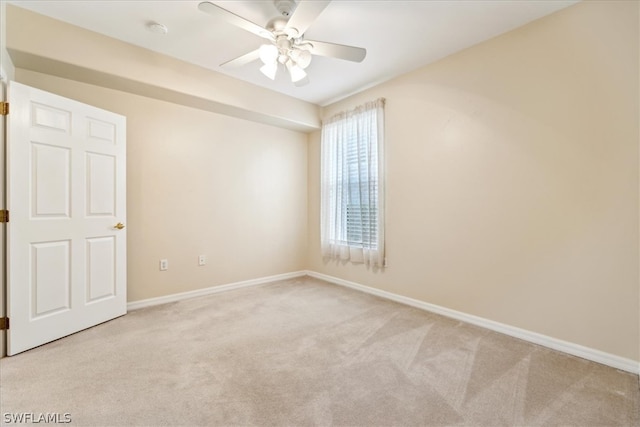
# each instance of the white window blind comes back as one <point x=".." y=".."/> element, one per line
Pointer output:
<point x="352" y="217"/>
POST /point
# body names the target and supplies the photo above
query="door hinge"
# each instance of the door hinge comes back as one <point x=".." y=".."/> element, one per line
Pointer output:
<point x="4" y="216"/>
<point x="4" y="108"/>
<point x="4" y="323"/>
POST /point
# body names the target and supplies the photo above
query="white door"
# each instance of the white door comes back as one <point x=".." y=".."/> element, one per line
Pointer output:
<point x="66" y="260"/>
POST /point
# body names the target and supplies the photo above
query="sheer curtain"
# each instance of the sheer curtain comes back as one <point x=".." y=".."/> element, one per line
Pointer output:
<point x="352" y="185"/>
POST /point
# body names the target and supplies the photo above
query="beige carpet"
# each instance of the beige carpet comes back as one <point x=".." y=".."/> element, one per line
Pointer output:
<point x="304" y="352"/>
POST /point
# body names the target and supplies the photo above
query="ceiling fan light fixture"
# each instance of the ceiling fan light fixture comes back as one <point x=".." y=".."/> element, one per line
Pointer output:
<point x="268" y="54"/>
<point x="301" y="57"/>
<point x="270" y="70"/>
<point x="295" y="72"/>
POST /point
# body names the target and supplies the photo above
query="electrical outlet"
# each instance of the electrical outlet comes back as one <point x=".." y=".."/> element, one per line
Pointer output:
<point x="202" y="260"/>
<point x="164" y="265"/>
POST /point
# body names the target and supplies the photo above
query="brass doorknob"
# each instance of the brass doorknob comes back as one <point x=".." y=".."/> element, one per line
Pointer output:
<point x="119" y="226"/>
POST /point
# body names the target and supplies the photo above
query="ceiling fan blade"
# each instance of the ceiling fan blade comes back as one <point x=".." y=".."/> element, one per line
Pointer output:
<point x="232" y="18"/>
<point x="242" y="60"/>
<point x="340" y="51"/>
<point x="305" y="13"/>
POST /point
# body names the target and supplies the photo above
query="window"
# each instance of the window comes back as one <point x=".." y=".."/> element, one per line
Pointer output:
<point x="352" y="226"/>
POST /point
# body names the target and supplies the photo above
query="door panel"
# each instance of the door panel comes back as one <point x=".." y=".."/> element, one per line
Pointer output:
<point x="51" y="185"/>
<point x="101" y="131"/>
<point x="50" y="280"/>
<point x="66" y="192"/>
<point x="51" y="118"/>
<point x="101" y="265"/>
<point x="101" y="185"/>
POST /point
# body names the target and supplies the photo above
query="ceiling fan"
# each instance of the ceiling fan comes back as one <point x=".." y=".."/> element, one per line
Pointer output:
<point x="287" y="45"/>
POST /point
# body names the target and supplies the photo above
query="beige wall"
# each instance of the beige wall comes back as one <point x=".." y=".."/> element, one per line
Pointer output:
<point x="202" y="183"/>
<point x="512" y="183"/>
<point x="5" y="60"/>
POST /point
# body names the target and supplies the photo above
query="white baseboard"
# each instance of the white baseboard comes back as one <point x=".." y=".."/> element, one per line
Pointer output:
<point x="546" y="341"/>
<point x="135" y="305"/>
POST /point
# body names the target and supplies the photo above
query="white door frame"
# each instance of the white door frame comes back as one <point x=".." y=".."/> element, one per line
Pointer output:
<point x="3" y="227"/>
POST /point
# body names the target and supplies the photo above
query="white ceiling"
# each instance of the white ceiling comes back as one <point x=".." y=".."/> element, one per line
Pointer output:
<point x="399" y="35"/>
